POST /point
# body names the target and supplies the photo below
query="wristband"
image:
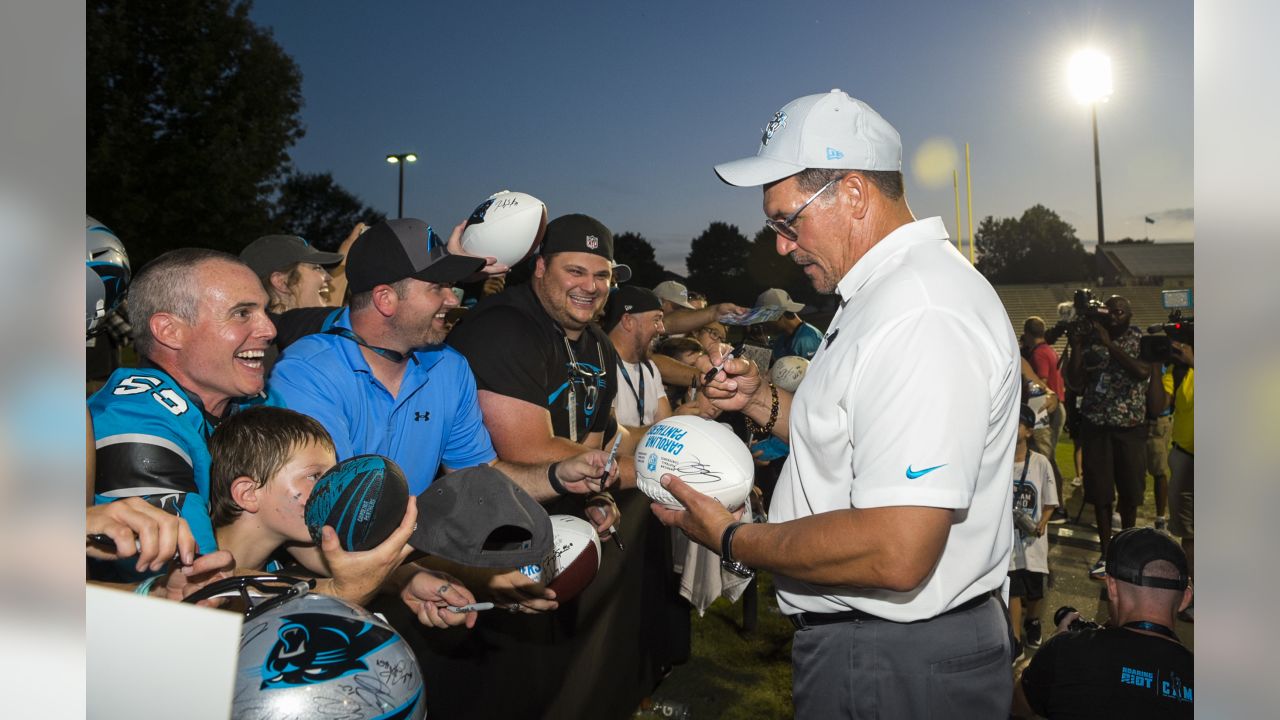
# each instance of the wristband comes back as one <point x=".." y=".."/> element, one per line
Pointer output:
<point x="555" y="481"/>
<point x="726" y="553"/>
<point x="144" y="588"/>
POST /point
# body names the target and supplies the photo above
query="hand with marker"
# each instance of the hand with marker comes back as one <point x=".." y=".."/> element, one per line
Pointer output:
<point x="588" y="472"/>
<point x="729" y="382"/>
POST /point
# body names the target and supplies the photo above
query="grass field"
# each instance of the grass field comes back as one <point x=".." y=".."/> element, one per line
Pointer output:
<point x="733" y="674"/>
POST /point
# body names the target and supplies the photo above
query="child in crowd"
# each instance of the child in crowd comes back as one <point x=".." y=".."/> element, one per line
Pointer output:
<point x="1034" y="497"/>
<point x="265" y="461"/>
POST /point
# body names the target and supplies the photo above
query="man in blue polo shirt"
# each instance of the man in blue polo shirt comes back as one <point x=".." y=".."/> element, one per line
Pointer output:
<point x="381" y="381"/>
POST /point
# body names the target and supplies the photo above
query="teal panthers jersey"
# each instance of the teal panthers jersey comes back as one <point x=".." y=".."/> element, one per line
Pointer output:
<point x="152" y="442"/>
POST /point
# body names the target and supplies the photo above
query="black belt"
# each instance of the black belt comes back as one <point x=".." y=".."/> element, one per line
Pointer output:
<point x="806" y="619"/>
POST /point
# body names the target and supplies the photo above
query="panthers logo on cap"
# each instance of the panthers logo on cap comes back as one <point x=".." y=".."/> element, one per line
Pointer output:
<point x="778" y="122"/>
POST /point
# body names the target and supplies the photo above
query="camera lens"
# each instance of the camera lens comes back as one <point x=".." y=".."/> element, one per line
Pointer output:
<point x="1061" y="613"/>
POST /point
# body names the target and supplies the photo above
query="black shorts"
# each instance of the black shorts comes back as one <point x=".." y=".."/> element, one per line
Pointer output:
<point x="1027" y="584"/>
<point x="1115" y="461"/>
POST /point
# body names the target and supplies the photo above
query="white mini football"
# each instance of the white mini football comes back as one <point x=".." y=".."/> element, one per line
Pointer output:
<point x="575" y="556"/>
<point x="507" y="226"/>
<point x="703" y="453"/>
<point x="788" y="372"/>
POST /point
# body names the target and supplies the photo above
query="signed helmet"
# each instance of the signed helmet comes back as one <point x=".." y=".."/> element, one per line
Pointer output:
<point x="303" y="654"/>
<point x="107" y="273"/>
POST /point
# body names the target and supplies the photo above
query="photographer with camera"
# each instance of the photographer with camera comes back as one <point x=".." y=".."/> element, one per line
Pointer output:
<point x="1113" y="429"/>
<point x="1135" y="667"/>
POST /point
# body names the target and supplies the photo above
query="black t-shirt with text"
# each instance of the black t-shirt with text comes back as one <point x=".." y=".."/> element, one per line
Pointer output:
<point x="516" y="349"/>
<point x="1110" y="673"/>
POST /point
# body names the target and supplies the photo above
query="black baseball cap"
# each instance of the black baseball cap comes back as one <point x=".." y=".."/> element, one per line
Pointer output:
<point x="582" y="233"/>
<point x="478" y="517"/>
<point x="628" y="299"/>
<point x="394" y="250"/>
<point x="277" y="253"/>
<point x="1132" y="549"/>
<point x="1027" y="416"/>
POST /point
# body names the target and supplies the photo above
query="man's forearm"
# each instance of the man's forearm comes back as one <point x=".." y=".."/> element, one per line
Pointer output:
<point x="531" y="477"/>
<point x="675" y="372"/>
<point x="893" y="547"/>
<point x="1136" y="368"/>
<point x="685" y="321"/>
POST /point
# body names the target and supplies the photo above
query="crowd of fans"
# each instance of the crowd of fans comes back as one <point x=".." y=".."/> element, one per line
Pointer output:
<point x="256" y="374"/>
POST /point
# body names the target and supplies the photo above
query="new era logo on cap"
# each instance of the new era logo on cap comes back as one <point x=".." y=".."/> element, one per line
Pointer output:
<point x="829" y="130"/>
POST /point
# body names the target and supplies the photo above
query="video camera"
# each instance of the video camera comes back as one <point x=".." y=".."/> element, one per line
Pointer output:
<point x="1078" y="624"/>
<point x="1076" y="319"/>
<point x="1157" y="346"/>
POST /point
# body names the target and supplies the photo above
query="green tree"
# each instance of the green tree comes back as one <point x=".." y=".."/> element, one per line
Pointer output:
<point x="1037" y="247"/>
<point x="192" y="110"/>
<point x="316" y="207"/>
<point x="717" y="264"/>
<point x="633" y="250"/>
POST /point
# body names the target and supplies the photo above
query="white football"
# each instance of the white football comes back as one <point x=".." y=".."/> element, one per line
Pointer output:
<point x="574" y="558"/>
<point x="507" y="226"/>
<point x="703" y="453"/>
<point x="788" y="372"/>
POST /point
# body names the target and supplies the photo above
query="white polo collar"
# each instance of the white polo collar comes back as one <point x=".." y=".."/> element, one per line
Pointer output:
<point x="913" y="233"/>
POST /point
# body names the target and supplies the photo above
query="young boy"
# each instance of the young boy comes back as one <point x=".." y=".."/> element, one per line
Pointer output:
<point x="265" y="461"/>
<point x="1035" y="495"/>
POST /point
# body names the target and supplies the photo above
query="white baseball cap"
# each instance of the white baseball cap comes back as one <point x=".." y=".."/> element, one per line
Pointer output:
<point x="673" y="292"/>
<point x="830" y="130"/>
<point x="777" y="297"/>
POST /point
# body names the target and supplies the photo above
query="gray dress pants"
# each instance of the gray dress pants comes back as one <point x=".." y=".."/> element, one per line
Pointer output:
<point x="953" y="666"/>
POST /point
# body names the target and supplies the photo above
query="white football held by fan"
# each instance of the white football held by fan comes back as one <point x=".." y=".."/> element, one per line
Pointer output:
<point x="507" y="226"/>
<point x="574" y="559"/>
<point x="703" y="453"/>
<point x="788" y="372"/>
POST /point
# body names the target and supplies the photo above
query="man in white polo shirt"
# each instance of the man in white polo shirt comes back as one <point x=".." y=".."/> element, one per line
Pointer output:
<point x="890" y="531"/>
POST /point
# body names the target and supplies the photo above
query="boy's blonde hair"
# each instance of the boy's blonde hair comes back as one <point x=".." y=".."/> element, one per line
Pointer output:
<point x="256" y="443"/>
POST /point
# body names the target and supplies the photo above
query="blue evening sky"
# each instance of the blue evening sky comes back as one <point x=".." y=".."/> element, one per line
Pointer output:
<point x="620" y="109"/>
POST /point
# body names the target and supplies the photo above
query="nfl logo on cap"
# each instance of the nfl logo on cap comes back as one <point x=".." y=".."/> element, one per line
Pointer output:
<point x="593" y="242"/>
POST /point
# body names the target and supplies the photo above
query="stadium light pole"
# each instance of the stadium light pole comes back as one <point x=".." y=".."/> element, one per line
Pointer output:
<point x="1089" y="74"/>
<point x="400" y="159"/>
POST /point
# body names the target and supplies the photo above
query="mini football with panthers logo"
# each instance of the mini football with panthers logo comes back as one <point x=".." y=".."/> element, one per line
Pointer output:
<point x="363" y="498"/>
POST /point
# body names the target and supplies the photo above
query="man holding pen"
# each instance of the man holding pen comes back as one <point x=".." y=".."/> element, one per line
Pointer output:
<point x="890" y="526"/>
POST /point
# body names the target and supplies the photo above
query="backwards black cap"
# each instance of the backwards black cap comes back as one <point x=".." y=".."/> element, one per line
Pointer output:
<point x="1131" y="551"/>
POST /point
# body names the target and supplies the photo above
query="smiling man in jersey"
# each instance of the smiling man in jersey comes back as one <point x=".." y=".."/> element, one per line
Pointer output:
<point x="201" y="328"/>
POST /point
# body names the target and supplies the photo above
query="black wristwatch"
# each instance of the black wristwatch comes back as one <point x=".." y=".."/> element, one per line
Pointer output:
<point x="726" y="553"/>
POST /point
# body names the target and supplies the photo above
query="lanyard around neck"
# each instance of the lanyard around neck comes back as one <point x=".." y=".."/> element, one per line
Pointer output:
<point x="392" y="355"/>
<point x="639" y="395"/>
<point x="1152" y="627"/>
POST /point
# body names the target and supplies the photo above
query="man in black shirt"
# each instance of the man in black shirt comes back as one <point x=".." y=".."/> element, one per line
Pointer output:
<point x="1134" y="668"/>
<point x="545" y="370"/>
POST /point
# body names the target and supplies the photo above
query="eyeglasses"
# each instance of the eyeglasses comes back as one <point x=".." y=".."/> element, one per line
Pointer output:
<point x="784" y="226"/>
<point x="715" y="334"/>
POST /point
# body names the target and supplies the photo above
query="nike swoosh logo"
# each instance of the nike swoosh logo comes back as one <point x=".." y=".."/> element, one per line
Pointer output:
<point x="913" y="474"/>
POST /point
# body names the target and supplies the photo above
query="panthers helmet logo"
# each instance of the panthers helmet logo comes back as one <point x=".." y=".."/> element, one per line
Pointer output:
<point x="314" y="648"/>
